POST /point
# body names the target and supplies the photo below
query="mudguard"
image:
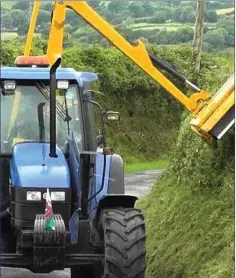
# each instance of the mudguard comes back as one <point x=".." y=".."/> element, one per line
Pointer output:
<point x="117" y="200"/>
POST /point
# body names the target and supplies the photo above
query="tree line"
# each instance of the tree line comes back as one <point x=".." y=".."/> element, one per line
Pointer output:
<point x="123" y="15"/>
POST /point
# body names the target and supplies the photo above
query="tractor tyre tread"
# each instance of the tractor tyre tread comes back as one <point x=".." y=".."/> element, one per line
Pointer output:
<point x="124" y="243"/>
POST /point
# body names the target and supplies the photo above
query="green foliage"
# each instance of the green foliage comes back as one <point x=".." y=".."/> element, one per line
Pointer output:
<point x="187" y="15"/>
<point x="44" y="16"/>
<point x="228" y="25"/>
<point x="148" y="112"/>
<point x="18" y="17"/>
<point x="211" y="16"/>
<point x="136" y="9"/>
<point x="117" y="7"/>
<point x="7" y="20"/>
<point x="149" y="8"/>
<point x="21" y="5"/>
<point x="190" y="211"/>
<point x="220" y="5"/>
<point x="123" y="15"/>
<point x="216" y="38"/>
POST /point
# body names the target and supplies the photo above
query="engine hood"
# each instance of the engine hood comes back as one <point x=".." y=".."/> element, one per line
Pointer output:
<point x="31" y="166"/>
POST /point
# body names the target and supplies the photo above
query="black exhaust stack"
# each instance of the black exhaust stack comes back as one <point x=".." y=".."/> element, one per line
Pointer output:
<point x="53" y="87"/>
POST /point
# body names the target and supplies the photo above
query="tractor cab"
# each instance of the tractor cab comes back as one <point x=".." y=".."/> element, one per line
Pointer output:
<point x="28" y="165"/>
<point x="25" y="108"/>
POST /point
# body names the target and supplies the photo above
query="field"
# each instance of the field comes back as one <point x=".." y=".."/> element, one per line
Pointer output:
<point x="150" y="26"/>
<point x="7" y="4"/>
<point x="169" y="26"/>
<point x="224" y="11"/>
<point x="8" y="36"/>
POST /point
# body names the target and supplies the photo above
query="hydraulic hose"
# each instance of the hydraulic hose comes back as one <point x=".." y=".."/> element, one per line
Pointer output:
<point x="163" y="65"/>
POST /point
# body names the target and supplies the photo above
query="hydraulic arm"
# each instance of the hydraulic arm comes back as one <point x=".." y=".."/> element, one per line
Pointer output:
<point x="207" y="112"/>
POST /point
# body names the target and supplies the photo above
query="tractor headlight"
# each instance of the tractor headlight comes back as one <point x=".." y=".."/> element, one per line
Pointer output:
<point x="9" y="85"/>
<point x="33" y="196"/>
<point x="58" y="196"/>
<point x="8" y="88"/>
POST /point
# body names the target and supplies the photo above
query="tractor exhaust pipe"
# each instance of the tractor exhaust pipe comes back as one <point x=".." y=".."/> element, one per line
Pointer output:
<point x="53" y="87"/>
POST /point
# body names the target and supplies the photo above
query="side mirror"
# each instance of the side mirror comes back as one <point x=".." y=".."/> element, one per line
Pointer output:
<point x="112" y="116"/>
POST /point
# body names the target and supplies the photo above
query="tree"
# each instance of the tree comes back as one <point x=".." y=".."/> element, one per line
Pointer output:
<point x="116" y="6"/>
<point x="184" y="34"/>
<point x="175" y="14"/>
<point x="94" y="4"/>
<point x="70" y="16"/>
<point x="47" y="7"/>
<point x="198" y="35"/>
<point x="68" y="29"/>
<point x="174" y="3"/>
<point x="22" y="29"/>
<point x="44" y="29"/>
<point x="6" y="21"/>
<point x="227" y="24"/>
<point x="18" y="18"/>
<point x="160" y="17"/>
<point x="137" y="9"/>
<point x="187" y="14"/>
<point x="211" y="16"/>
<point x="108" y="15"/>
<point x="44" y="17"/>
<point x="216" y="38"/>
<point x="21" y="5"/>
<point x="149" y="8"/>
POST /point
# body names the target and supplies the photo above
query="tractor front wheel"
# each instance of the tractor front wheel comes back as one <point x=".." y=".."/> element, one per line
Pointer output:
<point x="124" y="243"/>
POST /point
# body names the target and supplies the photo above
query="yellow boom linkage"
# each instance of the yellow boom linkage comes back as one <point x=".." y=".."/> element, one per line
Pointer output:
<point x="212" y="117"/>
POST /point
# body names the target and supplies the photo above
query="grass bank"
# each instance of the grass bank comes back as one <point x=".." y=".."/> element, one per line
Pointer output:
<point x="190" y="212"/>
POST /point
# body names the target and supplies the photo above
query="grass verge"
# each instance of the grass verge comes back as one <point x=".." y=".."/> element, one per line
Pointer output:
<point x="190" y="212"/>
<point x="190" y="234"/>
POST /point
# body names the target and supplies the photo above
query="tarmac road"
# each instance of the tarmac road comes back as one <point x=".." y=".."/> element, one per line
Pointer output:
<point x="138" y="184"/>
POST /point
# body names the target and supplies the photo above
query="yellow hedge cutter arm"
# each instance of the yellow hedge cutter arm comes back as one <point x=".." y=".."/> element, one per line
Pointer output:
<point x="212" y="117"/>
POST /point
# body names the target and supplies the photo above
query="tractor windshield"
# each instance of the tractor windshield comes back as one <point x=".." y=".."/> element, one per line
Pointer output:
<point x="25" y="115"/>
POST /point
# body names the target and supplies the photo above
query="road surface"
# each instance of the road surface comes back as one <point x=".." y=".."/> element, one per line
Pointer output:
<point x="137" y="184"/>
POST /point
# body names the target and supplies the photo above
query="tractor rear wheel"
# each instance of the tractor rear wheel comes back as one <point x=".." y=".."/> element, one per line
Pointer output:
<point x="124" y="243"/>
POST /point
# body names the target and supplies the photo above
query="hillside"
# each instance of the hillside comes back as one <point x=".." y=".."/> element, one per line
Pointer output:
<point x="161" y="23"/>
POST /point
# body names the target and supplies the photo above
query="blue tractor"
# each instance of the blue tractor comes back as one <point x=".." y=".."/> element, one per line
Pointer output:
<point x="49" y="143"/>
